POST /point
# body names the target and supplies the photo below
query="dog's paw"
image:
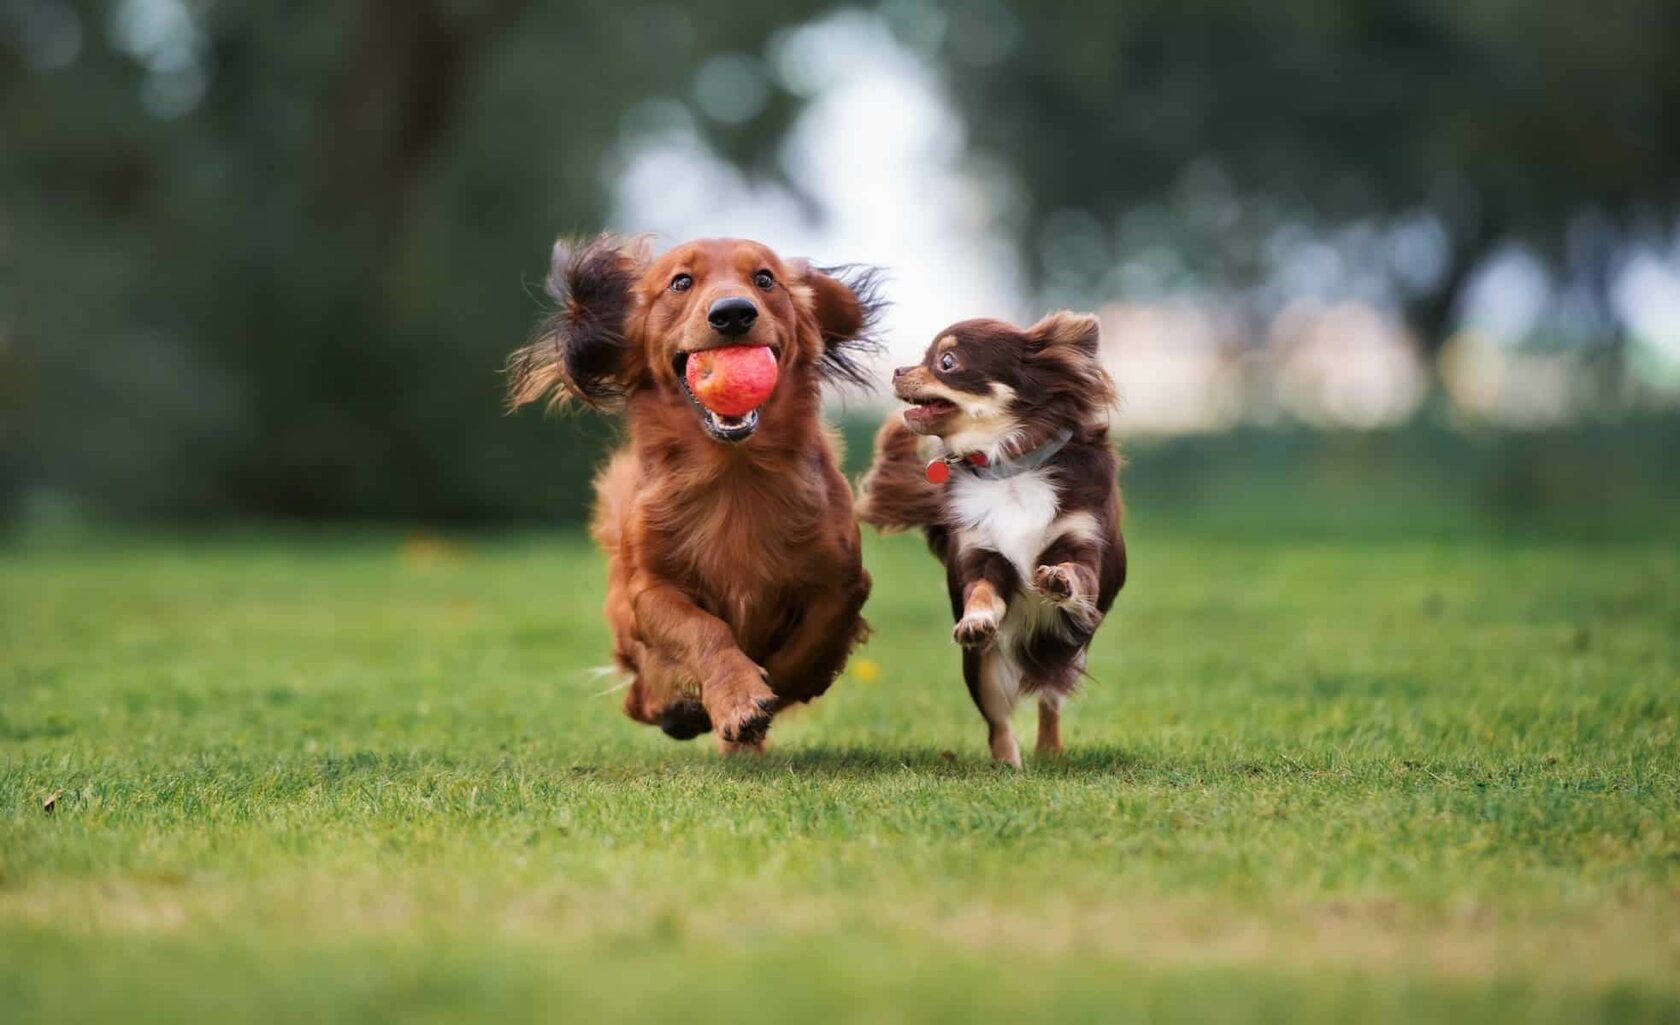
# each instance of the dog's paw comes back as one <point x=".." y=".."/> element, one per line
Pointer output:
<point x="740" y="702"/>
<point x="1059" y="586"/>
<point x="733" y="750"/>
<point x="748" y="726"/>
<point x="1056" y="583"/>
<point x="976" y="631"/>
<point x="684" y="719"/>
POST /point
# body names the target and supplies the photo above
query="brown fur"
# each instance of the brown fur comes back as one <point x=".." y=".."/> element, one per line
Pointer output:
<point x="735" y="580"/>
<point x="985" y="388"/>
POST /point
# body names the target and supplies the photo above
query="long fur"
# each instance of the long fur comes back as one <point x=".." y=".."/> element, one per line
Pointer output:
<point x="848" y="345"/>
<point x="1033" y="560"/>
<point x="578" y="349"/>
<point x="895" y="495"/>
<point x="754" y="537"/>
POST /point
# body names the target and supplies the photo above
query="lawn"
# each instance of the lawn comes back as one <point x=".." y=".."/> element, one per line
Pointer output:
<point x="369" y="778"/>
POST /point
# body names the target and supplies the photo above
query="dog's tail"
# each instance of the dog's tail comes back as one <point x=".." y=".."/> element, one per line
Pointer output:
<point x="895" y="494"/>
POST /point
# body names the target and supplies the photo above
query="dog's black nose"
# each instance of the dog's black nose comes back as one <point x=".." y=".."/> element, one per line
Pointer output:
<point x="732" y="316"/>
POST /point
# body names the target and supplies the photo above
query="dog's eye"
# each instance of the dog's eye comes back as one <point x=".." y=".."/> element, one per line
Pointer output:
<point x="682" y="283"/>
<point x="764" y="280"/>
<point x="947" y="362"/>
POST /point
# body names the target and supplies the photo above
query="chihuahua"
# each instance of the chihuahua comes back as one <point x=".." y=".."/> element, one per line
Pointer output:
<point x="1003" y="460"/>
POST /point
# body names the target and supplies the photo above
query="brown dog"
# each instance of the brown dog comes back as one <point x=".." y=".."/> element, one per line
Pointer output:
<point x="1003" y="461"/>
<point x="735" y="581"/>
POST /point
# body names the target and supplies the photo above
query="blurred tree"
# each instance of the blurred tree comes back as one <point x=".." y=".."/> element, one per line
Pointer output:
<point x="1209" y="130"/>
<point x="264" y="260"/>
<point x="267" y="259"/>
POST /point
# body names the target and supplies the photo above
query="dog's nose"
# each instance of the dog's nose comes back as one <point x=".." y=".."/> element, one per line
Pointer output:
<point x="732" y="316"/>
<point x="899" y="372"/>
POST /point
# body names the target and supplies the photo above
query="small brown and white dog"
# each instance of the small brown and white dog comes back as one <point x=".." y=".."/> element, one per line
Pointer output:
<point x="735" y="577"/>
<point x="1004" y="462"/>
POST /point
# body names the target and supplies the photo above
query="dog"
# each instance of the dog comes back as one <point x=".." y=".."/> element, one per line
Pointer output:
<point x="1004" y="461"/>
<point x="735" y="581"/>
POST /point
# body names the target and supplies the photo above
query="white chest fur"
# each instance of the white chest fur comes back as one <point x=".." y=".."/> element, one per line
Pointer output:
<point x="1012" y="516"/>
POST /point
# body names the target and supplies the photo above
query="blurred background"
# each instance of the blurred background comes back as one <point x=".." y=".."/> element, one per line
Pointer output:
<point x="1361" y="265"/>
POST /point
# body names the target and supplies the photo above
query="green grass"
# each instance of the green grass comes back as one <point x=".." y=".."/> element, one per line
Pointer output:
<point x="340" y="779"/>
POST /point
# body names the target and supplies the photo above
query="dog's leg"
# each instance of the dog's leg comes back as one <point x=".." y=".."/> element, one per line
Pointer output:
<point x="803" y="667"/>
<point x="979" y="580"/>
<point x="1078" y="573"/>
<point x="1066" y="574"/>
<point x="656" y="697"/>
<point x="733" y="688"/>
<point x="1000" y="686"/>
<point x="1050" y="723"/>
<point x="982" y="614"/>
<point x="984" y="579"/>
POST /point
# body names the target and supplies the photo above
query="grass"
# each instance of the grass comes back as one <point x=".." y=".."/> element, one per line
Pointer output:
<point x="356" y="779"/>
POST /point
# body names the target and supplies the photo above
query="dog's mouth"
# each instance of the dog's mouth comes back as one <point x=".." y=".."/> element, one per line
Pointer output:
<point x="927" y="411"/>
<point x="720" y="426"/>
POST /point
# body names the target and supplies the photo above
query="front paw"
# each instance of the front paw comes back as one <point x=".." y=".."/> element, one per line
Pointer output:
<point x="1059" y="585"/>
<point x="1056" y="583"/>
<point x="684" y="719"/>
<point x="976" y="631"/>
<point x="740" y="703"/>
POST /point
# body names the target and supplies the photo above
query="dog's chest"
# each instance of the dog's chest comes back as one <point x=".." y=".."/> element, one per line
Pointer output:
<point x="1011" y="516"/>
<point x="739" y="556"/>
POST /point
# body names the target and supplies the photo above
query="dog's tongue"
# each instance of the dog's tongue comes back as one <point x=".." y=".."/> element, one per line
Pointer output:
<point x="732" y="381"/>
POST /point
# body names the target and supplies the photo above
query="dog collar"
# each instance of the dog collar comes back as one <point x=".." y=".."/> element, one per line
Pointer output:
<point x="938" y="470"/>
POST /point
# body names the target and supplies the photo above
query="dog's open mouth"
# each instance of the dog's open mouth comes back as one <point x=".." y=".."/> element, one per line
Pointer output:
<point x="718" y="425"/>
<point x="925" y="412"/>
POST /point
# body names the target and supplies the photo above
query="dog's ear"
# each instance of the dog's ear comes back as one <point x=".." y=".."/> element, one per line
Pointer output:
<point x="1064" y="350"/>
<point x="846" y="304"/>
<point x="582" y="350"/>
<point x="1068" y="332"/>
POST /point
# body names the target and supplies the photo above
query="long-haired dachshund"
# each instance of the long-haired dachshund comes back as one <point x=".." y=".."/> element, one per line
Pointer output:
<point x="1003" y="460"/>
<point x="735" y="579"/>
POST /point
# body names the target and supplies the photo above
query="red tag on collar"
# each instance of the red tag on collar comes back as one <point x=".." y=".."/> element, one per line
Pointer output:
<point x="978" y="459"/>
<point x="937" y="471"/>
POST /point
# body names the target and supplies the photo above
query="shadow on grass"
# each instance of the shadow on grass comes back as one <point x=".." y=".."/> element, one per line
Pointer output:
<point x="878" y="761"/>
<point x="843" y="762"/>
<point x="1112" y="762"/>
<point x="864" y="762"/>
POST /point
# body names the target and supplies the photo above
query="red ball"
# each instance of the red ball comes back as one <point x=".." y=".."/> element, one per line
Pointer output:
<point x="733" y="381"/>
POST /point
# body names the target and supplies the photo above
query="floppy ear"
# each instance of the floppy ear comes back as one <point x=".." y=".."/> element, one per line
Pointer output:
<point x="580" y="350"/>
<point x="1067" y="331"/>
<point x="846" y="303"/>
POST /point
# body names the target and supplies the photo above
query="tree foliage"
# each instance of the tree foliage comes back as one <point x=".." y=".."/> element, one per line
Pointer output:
<point x="293" y="299"/>
<point x="1207" y="126"/>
